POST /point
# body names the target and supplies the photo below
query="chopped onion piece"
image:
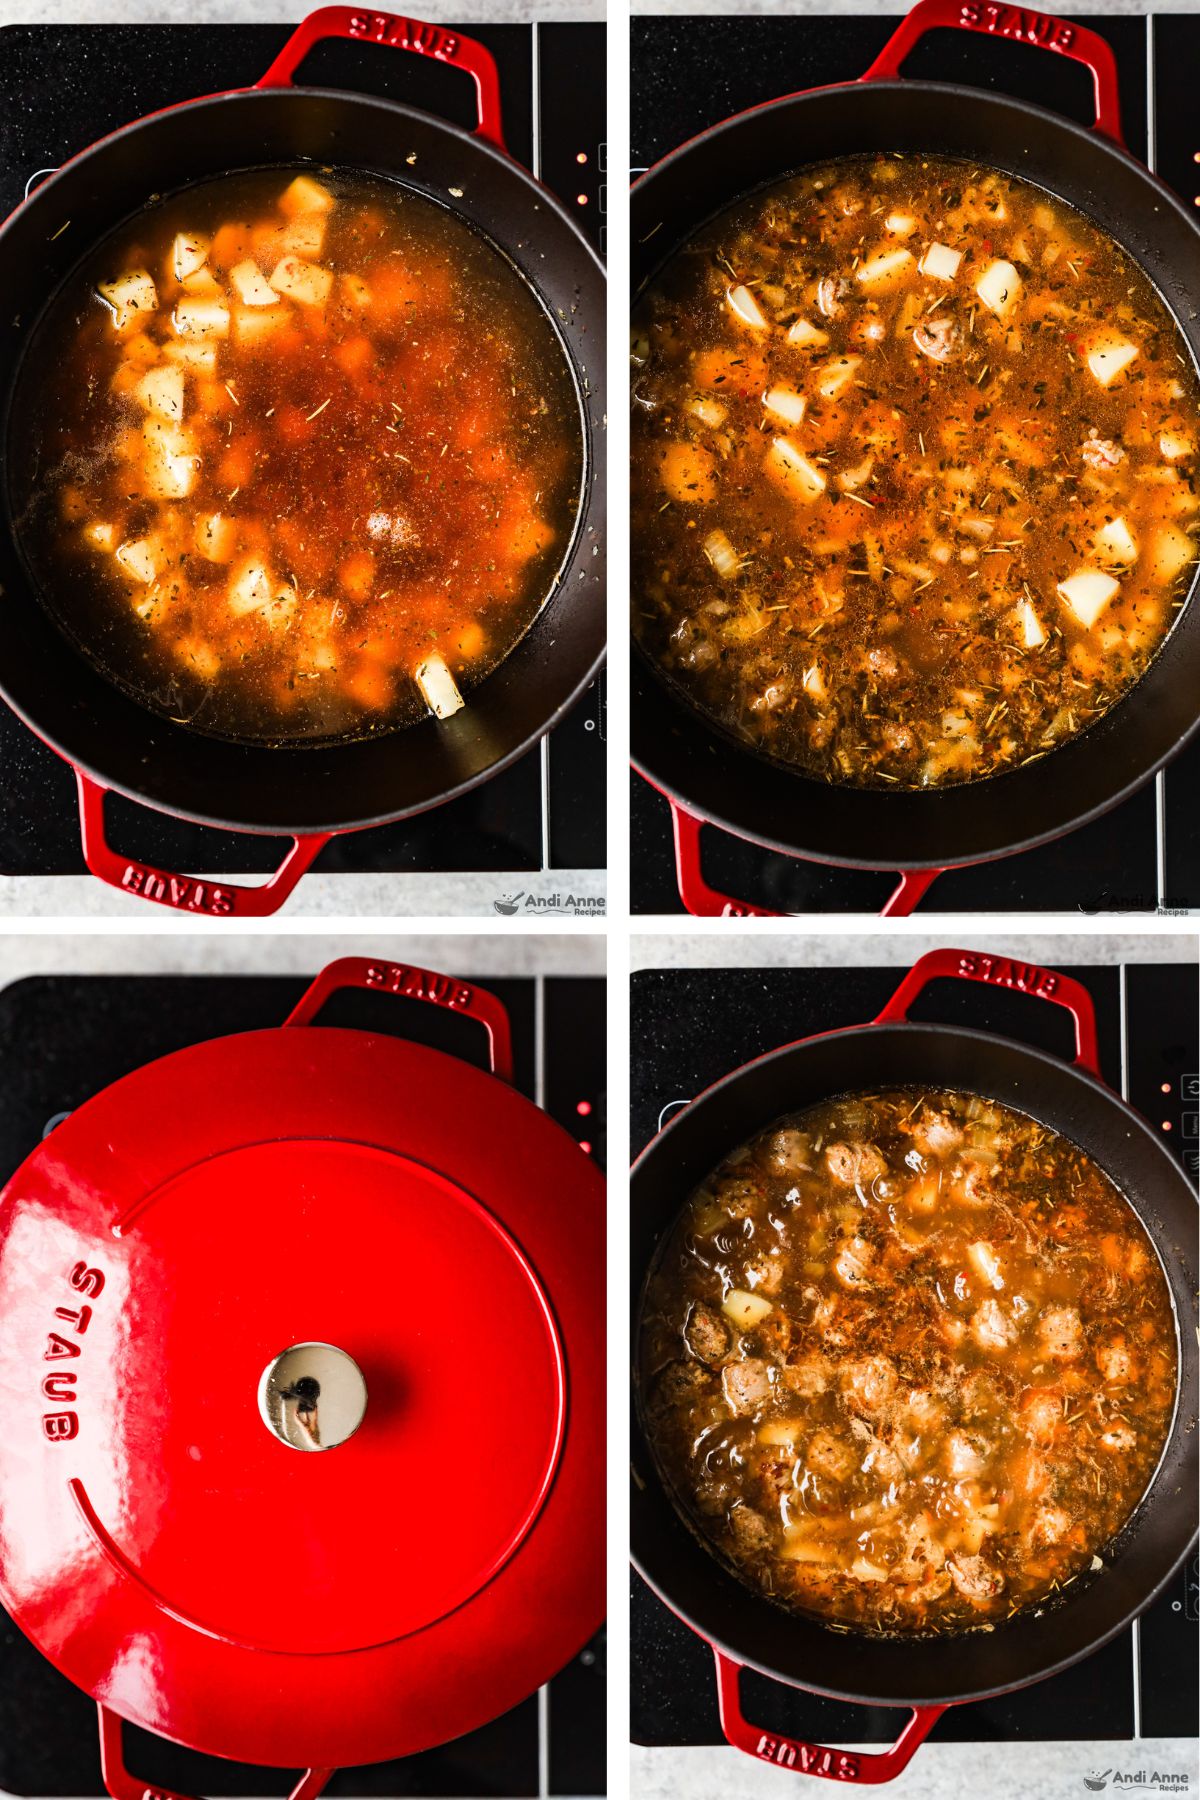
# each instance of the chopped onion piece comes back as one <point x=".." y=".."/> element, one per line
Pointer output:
<point x="304" y="195"/>
<point x="1033" y="634"/>
<point x="1173" y="550"/>
<point x="900" y="224"/>
<point x="438" y="686"/>
<point x="836" y="375"/>
<point x="161" y="391"/>
<point x="722" y="555"/>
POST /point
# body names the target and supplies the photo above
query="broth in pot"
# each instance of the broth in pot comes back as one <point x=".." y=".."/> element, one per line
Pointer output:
<point x="914" y="458"/>
<point x="300" y="456"/>
<point x="908" y="1362"/>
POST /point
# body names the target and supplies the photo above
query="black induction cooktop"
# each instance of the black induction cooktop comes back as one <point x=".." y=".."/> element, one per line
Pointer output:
<point x="63" y="86"/>
<point x="688" y="1028"/>
<point x="688" y="74"/>
<point x="64" y="1038"/>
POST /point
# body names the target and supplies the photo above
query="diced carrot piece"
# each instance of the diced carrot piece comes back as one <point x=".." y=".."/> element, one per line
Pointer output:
<point x="370" y="684"/>
<point x="237" y="464"/>
<point x="230" y="245"/>
<point x="357" y="574"/>
<point x="293" y="425"/>
<point x="354" y="355"/>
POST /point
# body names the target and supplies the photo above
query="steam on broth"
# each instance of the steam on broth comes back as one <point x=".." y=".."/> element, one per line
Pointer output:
<point x="301" y="456"/>
<point x="914" y="471"/>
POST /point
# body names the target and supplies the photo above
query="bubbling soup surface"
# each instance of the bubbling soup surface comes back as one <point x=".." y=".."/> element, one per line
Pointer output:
<point x="908" y="1362"/>
<point x="300" y="456"/>
<point x="914" y="471"/>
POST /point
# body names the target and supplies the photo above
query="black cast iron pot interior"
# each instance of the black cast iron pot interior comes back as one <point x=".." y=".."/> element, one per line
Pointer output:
<point x="851" y="1665"/>
<point x="727" y="783"/>
<point x="304" y="788"/>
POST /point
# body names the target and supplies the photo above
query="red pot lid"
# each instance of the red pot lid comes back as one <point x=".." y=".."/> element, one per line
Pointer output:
<point x="302" y="1396"/>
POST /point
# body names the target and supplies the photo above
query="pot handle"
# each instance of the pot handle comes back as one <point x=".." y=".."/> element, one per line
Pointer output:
<point x="412" y="983"/>
<point x="124" y="1786"/>
<point x="1042" y="30"/>
<point x="705" y="902"/>
<point x="186" y="893"/>
<point x="865" y="1766"/>
<point x="397" y="33"/>
<point x="1002" y="971"/>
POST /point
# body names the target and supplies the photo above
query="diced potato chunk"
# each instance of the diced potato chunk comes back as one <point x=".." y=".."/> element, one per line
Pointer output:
<point x="837" y="375"/>
<point x="745" y="307"/>
<point x="803" y="336"/>
<point x="201" y="281"/>
<point x="814" y="684"/>
<point x="142" y="558"/>
<point x="1171" y="552"/>
<point x="722" y="555"/>
<point x="253" y="324"/>
<point x="941" y="262"/>
<point x="201" y="317"/>
<point x="438" y="686"/>
<point x="356" y="290"/>
<point x="303" y="237"/>
<point x="100" y="536"/>
<point x="1033" y="634"/>
<point x="785" y="403"/>
<point x="215" y="534"/>
<point x="192" y="353"/>
<point x="900" y="224"/>
<point x="130" y="297"/>
<point x="251" y="587"/>
<point x="1116" y="543"/>
<point x="1087" y="593"/>
<point x="1173" y="446"/>
<point x="304" y="195"/>
<point x="161" y="391"/>
<point x="169" y="459"/>
<point x="885" y="269"/>
<point x="746" y="1310"/>
<point x="709" y="412"/>
<point x="999" y="287"/>
<point x="189" y="252"/>
<point x="792" y="469"/>
<point x="251" y="285"/>
<point x="302" y="281"/>
<point x="1108" y="356"/>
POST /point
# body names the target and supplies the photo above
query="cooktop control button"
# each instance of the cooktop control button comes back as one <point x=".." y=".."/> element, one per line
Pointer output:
<point x="312" y="1397"/>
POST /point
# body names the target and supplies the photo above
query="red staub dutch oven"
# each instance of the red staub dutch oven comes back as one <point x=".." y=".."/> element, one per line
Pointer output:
<point x="923" y="1675"/>
<point x="710" y="778"/>
<point x="307" y="792"/>
<point x="302" y="1392"/>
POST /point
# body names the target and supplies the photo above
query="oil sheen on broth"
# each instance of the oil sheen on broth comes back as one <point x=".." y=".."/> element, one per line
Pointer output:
<point x="907" y="1361"/>
<point x="303" y="456"/>
<point x="914" y="471"/>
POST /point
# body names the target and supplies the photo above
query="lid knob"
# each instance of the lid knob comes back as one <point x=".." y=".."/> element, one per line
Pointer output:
<point x="312" y="1396"/>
